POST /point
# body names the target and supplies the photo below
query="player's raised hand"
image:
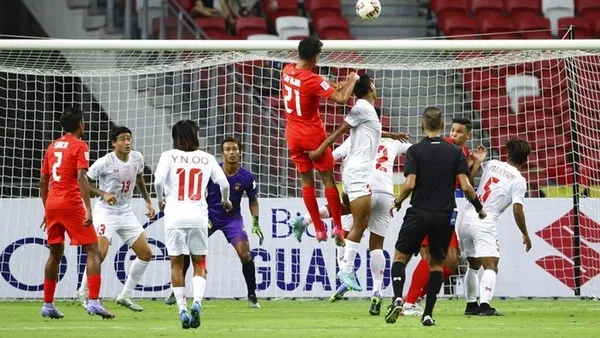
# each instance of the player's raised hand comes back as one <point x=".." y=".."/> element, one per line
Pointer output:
<point x="396" y="206"/>
<point x="482" y="214"/>
<point x="109" y="198"/>
<point x="150" y="210"/>
<point x="161" y="205"/>
<point x="87" y="220"/>
<point x="527" y="243"/>
<point x="479" y="154"/>
<point x="257" y="230"/>
<point x="227" y="205"/>
<point x="315" y="154"/>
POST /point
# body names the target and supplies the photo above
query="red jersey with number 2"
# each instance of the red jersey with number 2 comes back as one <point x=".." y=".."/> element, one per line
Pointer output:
<point x="465" y="151"/>
<point x="63" y="158"/>
<point x="302" y="89"/>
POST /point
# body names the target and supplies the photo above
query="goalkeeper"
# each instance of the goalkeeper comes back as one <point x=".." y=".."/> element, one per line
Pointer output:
<point x="231" y="223"/>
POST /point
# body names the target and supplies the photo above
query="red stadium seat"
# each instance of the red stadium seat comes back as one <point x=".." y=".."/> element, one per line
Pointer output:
<point x="477" y="79"/>
<point x="332" y="26"/>
<point x="323" y="7"/>
<point x="454" y="7"/>
<point x="582" y="27"/>
<point x="458" y="25"/>
<point x="486" y="7"/>
<point x="248" y="25"/>
<point x="212" y="27"/>
<point x="517" y="8"/>
<point x="284" y="8"/>
<point x="186" y="4"/>
<point x="586" y="8"/>
<point x="538" y="24"/>
<point x="497" y="26"/>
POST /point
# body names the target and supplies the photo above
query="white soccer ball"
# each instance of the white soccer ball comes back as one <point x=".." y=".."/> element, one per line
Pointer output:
<point x="368" y="9"/>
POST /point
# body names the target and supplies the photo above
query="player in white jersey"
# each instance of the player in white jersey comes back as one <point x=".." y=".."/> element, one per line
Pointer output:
<point x="365" y="136"/>
<point x="118" y="172"/>
<point x="501" y="185"/>
<point x="180" y="180"/>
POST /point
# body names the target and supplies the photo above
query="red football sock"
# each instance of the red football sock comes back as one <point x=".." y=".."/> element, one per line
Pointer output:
<point x="418" y="284"/>
<point x="94" y="286"/>
<point x="446" y="273"/>
<point x="335" y="205"/>
<point x="49" y="287"/>
<point x="310" y="201"/>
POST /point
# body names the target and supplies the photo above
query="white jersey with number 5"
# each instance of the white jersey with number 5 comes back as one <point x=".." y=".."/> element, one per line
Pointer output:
<point x="387" y="151"/>
<point x="118" y="178"/>
<point x="501" y="185"/>
<point x="185" y="176"/>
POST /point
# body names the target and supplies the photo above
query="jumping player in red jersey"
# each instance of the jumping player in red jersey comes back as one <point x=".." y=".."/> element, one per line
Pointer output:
<point x="302" y="90"/>
<point x="460" y="133"/>
<point x="65" y="194"/>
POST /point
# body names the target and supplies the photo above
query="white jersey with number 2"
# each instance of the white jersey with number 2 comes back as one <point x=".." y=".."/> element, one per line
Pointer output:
<point x="185" y="176"/>
<point x="501" y="185"/>
<point x="387" y="151"/>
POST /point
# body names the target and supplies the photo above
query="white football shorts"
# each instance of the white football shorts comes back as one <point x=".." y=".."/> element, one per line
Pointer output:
<point x="356" y="183"/>
<point x="124" y="224"/>
<point x="186" y="241"/>
<point x="478" y="238"/>
<point x="380" y="218"/>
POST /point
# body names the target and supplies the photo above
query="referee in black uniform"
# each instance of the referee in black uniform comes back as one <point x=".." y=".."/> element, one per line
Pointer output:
<point x="431" y="169"/>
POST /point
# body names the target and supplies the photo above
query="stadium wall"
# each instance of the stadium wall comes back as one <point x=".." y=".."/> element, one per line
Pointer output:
<point x="286" y="268"/>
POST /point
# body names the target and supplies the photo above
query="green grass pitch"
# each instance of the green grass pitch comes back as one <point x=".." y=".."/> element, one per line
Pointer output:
<point x="306" y="318"/>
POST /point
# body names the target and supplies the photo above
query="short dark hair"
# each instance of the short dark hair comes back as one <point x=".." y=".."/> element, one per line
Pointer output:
<point x="185" y="135"/>
<point x="309" y="47"/>
<point x="118" y="130"/>
<point x="231" y="139"/>
<point x="464" y="121"/>
<point x="70" y="119"/>
<point x="518" y="150"/>
<point x="363" y="86"/>
<point x="432" y="119"/>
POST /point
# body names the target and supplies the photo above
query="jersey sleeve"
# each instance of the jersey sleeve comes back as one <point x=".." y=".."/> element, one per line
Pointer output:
<point x="83" y="156"/>
<point x="45" y="165"/>
<point x="400" y="148"/>
<point x="251" y="187"/>
<point x="162" y="169"/>
<point x="410" y="165"/>
<point x="518" y="192"/>
<point x="342" y="150"/>
<point x="462" y="167"/>
<point x="356" y="116"/>
<point x="217" y="172"/>
<point x="97" y="168"/>
<point x="319" y="87"/>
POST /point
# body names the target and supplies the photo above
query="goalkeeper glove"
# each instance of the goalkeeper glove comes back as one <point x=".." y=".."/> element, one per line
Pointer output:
<point x="257" y="231"/>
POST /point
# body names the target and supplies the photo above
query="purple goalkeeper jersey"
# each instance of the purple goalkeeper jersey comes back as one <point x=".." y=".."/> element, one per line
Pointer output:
<point x="240" y="182"/>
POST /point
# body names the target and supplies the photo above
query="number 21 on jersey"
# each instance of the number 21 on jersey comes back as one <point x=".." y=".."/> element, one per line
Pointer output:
<point x="487" y="188"/>
<point x="290" y="94"/>
<point x="190" y="180"/>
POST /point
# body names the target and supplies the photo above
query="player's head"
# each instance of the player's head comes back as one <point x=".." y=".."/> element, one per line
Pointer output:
<point x="432" y="120"/>
<point x="460" y="131"/>
<point x="71" y="121"/>
<point x="518" y="150"/>
<point x="365" y="88"/>
<point x="231" y="150"/>
<point x="120" y="139"/>
<point x="185" y="135"/>
<point x="309" y="49"/>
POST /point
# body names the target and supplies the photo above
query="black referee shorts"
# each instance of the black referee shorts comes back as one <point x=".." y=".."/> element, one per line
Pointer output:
<point x="419" y="223"/>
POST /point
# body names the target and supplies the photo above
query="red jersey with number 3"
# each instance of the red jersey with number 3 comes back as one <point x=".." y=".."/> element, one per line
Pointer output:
<point x="302" y="89"/>
<point x="63" y="158"/>
<point x="465" y="151"/>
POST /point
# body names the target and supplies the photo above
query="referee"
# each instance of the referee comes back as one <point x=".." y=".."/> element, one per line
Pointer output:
<point x="431" y="169"/>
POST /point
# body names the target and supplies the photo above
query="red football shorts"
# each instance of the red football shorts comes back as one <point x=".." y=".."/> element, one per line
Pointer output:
<point x="59" y="221"/>
<point x="453" y="241"/>
<point x="299" y="146"/>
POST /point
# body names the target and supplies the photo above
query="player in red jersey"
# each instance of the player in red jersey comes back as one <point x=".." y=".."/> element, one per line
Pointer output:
<point x="302" y="90"/>
<point x="65" y="194"/>
<point x="460" y="133"/>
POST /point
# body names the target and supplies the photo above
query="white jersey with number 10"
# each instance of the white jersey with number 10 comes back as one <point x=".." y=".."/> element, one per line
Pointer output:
<point x="185" y="176"/>
<point x="387" y="151"/>
<point x="501" y="185"/>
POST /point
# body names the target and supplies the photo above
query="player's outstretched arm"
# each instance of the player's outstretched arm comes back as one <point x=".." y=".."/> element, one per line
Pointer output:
<point x="519" y="215"/>
<point x="405" y="191"/>
<point x="402" y="137"/>
<point x="84" y="190"/>
<point x="317" y="153"/>
<point x="97" y="192"/>
<point x="476" y="158"/>
<point x="224" y="188"/>
<point x="44" y="186"/>
<point x="342" y="95"/>
<point x="140" y="182"/>
<point x="467" y="188"/>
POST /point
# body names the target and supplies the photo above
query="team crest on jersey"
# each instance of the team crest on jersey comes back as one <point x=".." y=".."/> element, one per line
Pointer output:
<point x="237" y="186"/>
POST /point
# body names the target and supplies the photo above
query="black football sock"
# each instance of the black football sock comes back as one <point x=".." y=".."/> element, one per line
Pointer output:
<point x="398" y="278"/>
<point x="433" y="288"/>
<point x="249" y="271"/>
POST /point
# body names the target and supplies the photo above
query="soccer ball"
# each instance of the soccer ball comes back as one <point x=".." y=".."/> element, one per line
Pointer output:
<point x="368" y="9"/>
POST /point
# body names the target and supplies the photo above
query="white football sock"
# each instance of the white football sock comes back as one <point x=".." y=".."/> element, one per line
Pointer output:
<point x="340" y="251"/>
<point x="377" y="267"/>
<point x="84" y="284"/>
<point x="347" y="264"/>
<point x="471" y="285"/>
<point x="487" y="286"/>
<point x="199" y="285"/>
<point x="180" y="297"/>
<point x="136" y="270"/>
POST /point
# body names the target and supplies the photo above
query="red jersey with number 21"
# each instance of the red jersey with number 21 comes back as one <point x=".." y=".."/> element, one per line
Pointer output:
<point x="465" y="151"/>
<point x="302" y="89"/>
<point x="63" y="158"/>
